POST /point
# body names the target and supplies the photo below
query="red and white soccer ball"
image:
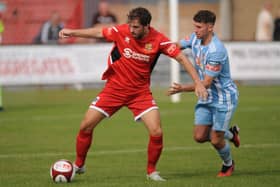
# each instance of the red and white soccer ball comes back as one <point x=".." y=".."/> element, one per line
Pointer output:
<point x="62" y="171"/>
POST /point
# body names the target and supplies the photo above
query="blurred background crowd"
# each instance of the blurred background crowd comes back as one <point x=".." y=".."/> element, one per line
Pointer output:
<point x="39" y="21"/>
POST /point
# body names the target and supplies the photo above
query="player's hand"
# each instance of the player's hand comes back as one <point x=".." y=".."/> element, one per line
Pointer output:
<point x="65" y="33"/>
<point x="201" y="91"/>
<point x="174" y="88"/>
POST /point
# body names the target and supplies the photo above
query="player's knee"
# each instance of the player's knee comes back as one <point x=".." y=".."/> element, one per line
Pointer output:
<point x="199" y="138"/>
<point x="217" y="140"/>
<point x="156" y="132"/>
<point x="87" y="126"/>
<point x="214" y="142"/>
<point x="217" y="143"/>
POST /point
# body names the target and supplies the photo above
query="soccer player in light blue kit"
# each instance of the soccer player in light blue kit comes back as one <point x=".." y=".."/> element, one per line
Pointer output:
<point x="212" y="116"/>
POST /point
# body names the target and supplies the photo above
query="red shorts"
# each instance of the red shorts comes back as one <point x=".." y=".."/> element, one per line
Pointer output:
<point x="110" y="100"/>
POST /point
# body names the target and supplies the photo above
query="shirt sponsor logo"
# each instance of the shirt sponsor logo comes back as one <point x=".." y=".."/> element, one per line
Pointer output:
<point x="213" y="68"/>
<point x="128" y="53"/>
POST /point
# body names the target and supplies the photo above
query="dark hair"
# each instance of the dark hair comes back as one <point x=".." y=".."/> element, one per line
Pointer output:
<point x="140" y="13"/>
<point x="205" y="16"/>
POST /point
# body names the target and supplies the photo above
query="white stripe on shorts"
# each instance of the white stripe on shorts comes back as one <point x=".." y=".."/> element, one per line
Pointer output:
<point x="137" y="118"/>
<point x="100" y="110"/>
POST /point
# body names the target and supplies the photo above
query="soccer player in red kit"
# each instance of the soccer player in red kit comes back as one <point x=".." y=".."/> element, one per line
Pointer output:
<point x="136" y="49"/>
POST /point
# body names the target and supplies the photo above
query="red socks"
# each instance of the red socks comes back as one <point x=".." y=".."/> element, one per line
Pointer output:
<point x="83" y="143"/>
<point x="154" y="151"/>
<point x="84" y="140"/>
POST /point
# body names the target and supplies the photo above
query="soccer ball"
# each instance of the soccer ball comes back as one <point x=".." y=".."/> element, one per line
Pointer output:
<point x="62" y="171"/>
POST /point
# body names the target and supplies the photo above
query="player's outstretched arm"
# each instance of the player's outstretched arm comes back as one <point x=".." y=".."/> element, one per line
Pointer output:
<point x="177" y="88"/>
<point x="198" y="86"/>
<point x="82" y="33"/>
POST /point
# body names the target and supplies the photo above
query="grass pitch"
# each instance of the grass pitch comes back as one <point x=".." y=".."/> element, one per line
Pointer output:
<point x="39" y="127"/>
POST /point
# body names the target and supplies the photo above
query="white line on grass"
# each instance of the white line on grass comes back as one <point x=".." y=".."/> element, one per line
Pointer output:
<point x="130" y="151"/>
<point x="79" y="116"/>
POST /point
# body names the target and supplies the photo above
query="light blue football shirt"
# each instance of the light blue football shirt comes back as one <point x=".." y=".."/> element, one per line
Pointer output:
<point x="212" y="60"/>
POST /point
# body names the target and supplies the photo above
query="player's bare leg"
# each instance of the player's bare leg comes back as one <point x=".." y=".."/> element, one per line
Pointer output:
<point x="84" y="137"/>
<point x="201" y="133"/>
<point x="223" y="149"/>
<point x="153" y="124"/>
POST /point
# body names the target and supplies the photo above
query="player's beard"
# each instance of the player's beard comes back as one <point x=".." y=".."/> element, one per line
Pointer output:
<point x="139" y="36"/>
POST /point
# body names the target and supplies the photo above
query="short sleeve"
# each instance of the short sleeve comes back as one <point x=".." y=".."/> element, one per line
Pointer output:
<point x="214" y="63"/>
<point x="169" y="48"/>
<point x="187" y="41"/>
<point x="110" y="33"/>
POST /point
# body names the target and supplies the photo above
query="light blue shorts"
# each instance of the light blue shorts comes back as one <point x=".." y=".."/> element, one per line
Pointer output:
<point x="217" y="116"/>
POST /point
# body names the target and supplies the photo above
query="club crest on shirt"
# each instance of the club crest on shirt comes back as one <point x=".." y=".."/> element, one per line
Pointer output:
<point x="148" y="46"/>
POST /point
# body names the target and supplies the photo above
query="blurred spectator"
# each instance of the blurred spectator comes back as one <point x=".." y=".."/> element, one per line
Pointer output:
<point x="276" y="33"/>
<point x="49" y="32"/>
<point x="103" y="17"/>
<point x="265" y="23"/>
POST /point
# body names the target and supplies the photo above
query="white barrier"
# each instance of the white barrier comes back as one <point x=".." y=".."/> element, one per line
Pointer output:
<point x="254" y="61"/>
<point x="21" y="65"/>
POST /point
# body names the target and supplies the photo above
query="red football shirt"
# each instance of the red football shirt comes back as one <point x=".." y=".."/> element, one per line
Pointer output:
<point x="131" y="61"/>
